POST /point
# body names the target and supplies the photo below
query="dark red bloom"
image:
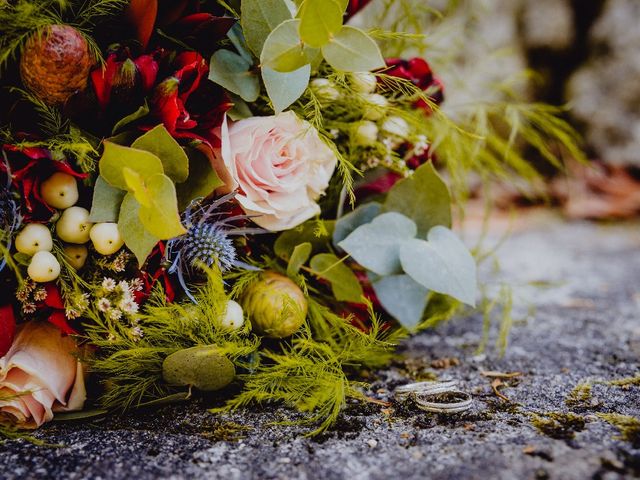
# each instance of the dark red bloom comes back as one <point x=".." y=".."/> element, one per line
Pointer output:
<point x="29" y="168"/>
<point x="418" y="71"/>
<point x="187" y="105"/>
<point x="124" y="75"/>
<point x="355" y="6"/>
<point x="155" y="273"/>
<point x="202" y="31"/>
<point x="7" y="328"/>
<point x="55" y="308"/>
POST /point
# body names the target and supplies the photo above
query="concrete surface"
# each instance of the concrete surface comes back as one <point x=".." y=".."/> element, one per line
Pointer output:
<point x="584" y="282"/>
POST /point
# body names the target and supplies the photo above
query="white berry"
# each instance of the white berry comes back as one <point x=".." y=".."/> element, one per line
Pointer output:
<point x="234" y="316"/>
<point x="76" y="255"/>
<point x="365" y="134"/>
<point x="74" y="225"/>
<point x="397" y="127"/>
<point x="34" y="238"/>
<point x="325" y="90"/>
<point x="60" y="190"/>
<point x="106" y="238"/>
<point x="44" y="267"/>
<point x="364" y="82"/>
<point x="375" y="106"/>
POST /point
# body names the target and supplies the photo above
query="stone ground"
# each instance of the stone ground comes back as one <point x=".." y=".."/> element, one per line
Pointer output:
<point x="584" y="282"/>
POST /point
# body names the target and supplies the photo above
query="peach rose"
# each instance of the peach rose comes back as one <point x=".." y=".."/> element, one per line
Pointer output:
<point x="38" y="376"/>
<point x="281" y="167"/>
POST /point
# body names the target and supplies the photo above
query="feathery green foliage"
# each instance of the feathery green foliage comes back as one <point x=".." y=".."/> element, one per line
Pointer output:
<point x="132" y="366"/>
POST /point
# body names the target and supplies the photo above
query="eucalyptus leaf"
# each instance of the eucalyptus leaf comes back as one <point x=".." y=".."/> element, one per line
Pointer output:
<point x="285" y="88"/>
<point x="402" y="297"/>
<point x="105" y="206"/>
<point x="352" y="50"/>
<point x="159" y="141"/>
<point x="319" y="21"/>
<point x="298" y="258"/>
<point x="116" y="157"/>
<point x="236" y="36"/>
<point x="376" y="245"/>
<point x="162" y="219"/>
<point x="442" y="264"/>
<point x="233" y="72"/>
<point x="141" y="112"/>
<point x="423" y="197"/>
<point x="135" y="236"/>
<point x="259" y="18"/>
<point x="289" y="239"/>
<point x="284" y="51"/>
<point x="352" y="220"/>
<point x="136" y="185"/>
<point x="344" y="284"/>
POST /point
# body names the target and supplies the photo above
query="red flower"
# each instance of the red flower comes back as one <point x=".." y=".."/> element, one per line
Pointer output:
<point x="7" y="328"/>
<point x="55" y="306"/>
<point x="188" y="106"/>
<point x="29" y="168"/>
<point x="418" y="71"/>
<point x="355" y="6"/>
<point x="155" y="273"/>
<point x="125" y="75"/>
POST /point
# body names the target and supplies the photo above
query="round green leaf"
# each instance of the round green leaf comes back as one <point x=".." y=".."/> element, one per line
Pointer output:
<point x="352" y="50"/>
<point x="285" y="88"/>
<point x="162" y="219"/>
<point x="135" y="236"/>
<point x="284" y="51"/>
<point x="233" y="72"/>
<point x="319" y="20"/>
<point x="159" y="141"/>
<point x="116" y="157"/>
<point x="259" y="18"/>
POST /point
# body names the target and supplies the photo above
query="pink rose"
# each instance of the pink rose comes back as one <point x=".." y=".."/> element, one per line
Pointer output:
<point x="281" y="167"/>
<point x="39" y="375"/>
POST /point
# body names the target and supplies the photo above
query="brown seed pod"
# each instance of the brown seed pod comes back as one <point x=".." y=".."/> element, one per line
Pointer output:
<point x="55" y="64"/>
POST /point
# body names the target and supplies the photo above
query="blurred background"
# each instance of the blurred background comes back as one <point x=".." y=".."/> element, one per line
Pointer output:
<point x="583" y="54"/>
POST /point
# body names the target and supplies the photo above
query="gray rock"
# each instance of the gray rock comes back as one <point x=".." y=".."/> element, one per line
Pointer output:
<point x="584" y="281"/>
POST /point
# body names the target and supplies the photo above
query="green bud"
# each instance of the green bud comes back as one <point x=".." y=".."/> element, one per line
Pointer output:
<point x="276" y="306"/>
<point x="201" y="367"/>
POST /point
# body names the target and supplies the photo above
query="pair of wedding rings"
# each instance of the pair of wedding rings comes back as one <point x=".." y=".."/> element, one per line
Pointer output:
<point x="438" y="397"/>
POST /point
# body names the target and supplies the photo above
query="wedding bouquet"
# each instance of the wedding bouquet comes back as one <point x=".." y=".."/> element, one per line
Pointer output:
<point x="198" y="194"/>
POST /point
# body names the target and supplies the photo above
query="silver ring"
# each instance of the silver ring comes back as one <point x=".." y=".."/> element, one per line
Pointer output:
<point x="443" y="407"/>
<point x="428" y="396"/>
<point x="426" y="388"/>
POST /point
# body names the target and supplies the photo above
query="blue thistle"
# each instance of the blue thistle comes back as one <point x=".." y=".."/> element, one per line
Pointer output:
<point x="208" y="241"/>
<point x="208" y="244"/>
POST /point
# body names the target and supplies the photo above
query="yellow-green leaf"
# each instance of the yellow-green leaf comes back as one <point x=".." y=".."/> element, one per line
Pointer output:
<point x="116" y="157"/>
<point x="162" y="218"/>
<point x="135" y="236"/>
<point x="136" y="185"/>
<point x="160" y="142"/>
<point x="352" y="50"/>
<point x="284" y="51"/>
<point x="344" y="283"/>
<point x="319" y="20"/>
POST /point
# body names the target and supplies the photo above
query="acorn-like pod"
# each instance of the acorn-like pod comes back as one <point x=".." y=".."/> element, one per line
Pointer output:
<point x="55" y="64"/>
<point x="201" y="367"/>
<point x="275" y="305"/>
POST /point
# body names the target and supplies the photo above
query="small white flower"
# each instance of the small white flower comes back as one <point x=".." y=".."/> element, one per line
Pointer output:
<point x="103" y="304"/>
<point x="136" y="285"/>
<point x="115" y="314"/>
<point x="137" y="333"/>
<point x="128" y="306"/>
<point x="124" y="287"/>
<point x="109" y="284"/>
